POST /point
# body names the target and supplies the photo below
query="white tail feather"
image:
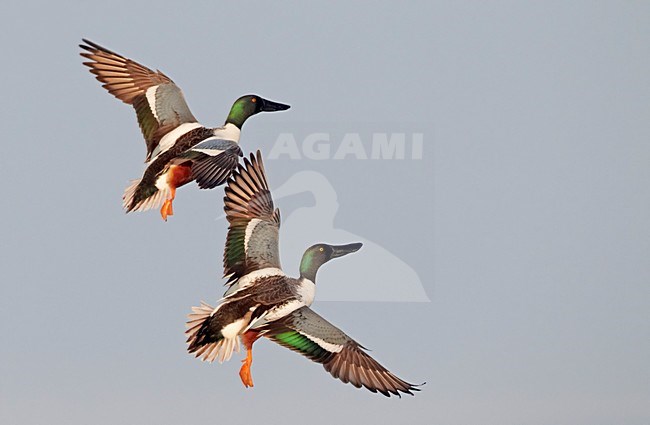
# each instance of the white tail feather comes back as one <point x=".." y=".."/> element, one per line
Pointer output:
<point x="154" y="201"/>
<point x="221" y="350"/>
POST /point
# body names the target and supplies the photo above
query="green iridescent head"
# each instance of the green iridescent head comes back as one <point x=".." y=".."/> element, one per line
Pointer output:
<point x="321" y="253"/>
<point x="249" y="105"/>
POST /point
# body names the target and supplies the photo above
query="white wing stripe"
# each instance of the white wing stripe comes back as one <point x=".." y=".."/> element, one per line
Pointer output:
<point x="332" y="348"/>
<point x="151" y="99"/>
<point x="246" y="280"/>
<point x="249" y="232"/>
<point x="210" y="152"/>
<point x="170" y="138"/>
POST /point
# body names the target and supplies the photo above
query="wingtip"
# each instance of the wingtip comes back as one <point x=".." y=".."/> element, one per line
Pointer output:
<point x="414" y="387"/>
<point x="93" y="47"/>
<point x="89" y="45"/>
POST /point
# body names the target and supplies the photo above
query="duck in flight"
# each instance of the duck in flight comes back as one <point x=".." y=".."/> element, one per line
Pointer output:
<point x="179" y="149"/>
<point x="263" y="301"/>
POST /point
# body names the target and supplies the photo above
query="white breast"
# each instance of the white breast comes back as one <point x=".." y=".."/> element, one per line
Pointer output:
<point x="228" y="132"/>
<point x="307" y="291"/>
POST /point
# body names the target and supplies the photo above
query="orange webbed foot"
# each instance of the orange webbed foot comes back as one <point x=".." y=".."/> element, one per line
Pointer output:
<point x="245" y="371"/>
<point x="167" y="209"/>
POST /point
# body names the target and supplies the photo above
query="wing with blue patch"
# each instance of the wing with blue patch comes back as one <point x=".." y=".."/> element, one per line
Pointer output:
<point x="253" y="231"/>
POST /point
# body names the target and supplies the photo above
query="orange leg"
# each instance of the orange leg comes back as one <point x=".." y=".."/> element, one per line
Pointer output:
<point x="245" y="372"/>
<point x="167" y="208"/>
<point x="177" y="176"/>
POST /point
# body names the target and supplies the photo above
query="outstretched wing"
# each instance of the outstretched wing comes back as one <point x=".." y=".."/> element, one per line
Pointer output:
<point x="253" y="233"/>
<point x="213" y="160"/>
<point x="312" y="336"/>
<point x="159" y="103"/>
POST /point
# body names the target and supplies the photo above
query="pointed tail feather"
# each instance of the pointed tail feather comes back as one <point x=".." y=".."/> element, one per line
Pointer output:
<point x="139" y="197"/>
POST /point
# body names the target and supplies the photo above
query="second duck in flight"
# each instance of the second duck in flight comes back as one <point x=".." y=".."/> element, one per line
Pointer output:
<point x="263" y="301"/>
<point x="179" y="149"/>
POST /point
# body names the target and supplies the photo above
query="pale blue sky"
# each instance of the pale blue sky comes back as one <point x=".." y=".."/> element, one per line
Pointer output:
<point x="526" y="220"/>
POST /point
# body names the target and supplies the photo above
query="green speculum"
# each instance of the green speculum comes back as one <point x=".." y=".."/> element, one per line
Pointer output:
<point x="300" y="342"/>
